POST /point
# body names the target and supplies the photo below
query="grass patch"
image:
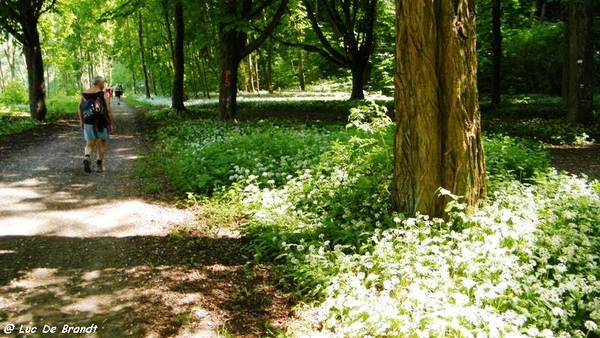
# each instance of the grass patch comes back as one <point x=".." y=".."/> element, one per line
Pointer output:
<point x="14" y="123"/>
<point x="15" y="118"/>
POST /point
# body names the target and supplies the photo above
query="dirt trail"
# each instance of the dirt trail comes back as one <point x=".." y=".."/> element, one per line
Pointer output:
<point x="85" y="250"/>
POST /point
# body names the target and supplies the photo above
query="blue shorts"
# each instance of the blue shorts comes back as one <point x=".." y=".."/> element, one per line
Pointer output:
<point x="90" y="133"/>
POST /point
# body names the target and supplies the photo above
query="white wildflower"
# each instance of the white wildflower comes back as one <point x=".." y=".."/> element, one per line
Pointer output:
<point x="590" y="325"/>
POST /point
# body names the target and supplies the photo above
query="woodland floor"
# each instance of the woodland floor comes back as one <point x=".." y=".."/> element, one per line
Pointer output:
<point x="87" y="249"/>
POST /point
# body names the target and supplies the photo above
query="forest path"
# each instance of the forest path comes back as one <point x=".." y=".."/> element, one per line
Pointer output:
<point x="86" y="250"/>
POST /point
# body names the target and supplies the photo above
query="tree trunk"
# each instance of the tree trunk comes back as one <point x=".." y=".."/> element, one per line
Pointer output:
<point x="206" y="90"/>
<point x="35" y="72"/>
<point x="580" y="62"/>
<point x="230" y="62"/>
<point x="496" y="51"/>
<point x="438" y="133"/>
<point x="565" y="61"/>
<point x="142" y="56"/>
<point x="269" y="67"/>
<point x="10" y="58"/>
<point x="301" y="74"/>
<point x="1" y="77"/>
<point x="178" y="59"/>
<point x="166" y="12"/>
<point x="358" y="79"/>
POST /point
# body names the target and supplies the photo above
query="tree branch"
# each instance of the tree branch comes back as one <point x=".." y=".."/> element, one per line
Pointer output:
<point x="311" y="48"/>
<point x="332" y="52"/>
<point x="252" y="46"/>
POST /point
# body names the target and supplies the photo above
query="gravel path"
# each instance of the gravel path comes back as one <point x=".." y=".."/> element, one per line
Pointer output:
<point x="86" y="251"/>
<point x="46" y="192"/>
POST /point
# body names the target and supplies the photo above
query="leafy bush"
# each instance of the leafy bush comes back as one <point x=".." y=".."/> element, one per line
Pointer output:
<point x="10" y="124"/>
<point x="62" y="104"/>
<point x="509" y="157"/>
<point x="14" y="93"/>
<point x="204" y="155"/>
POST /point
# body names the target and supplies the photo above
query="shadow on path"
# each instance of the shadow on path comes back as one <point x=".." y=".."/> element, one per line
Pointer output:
<point x="85" y="249"/>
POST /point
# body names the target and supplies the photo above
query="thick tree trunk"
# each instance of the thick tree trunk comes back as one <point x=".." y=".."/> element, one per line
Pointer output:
<point x="580" y="62"/>
<point x="35" y="73"/>
<point x="142" y="55"/>
<point x="177" y="97"/>
<point x="358" y="80"/>
<point x="438" y="134"/>
<point x="496" y="50"/>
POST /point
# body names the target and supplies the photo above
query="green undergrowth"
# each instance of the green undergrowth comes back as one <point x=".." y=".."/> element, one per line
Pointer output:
<point x="15" y="117"/>
<point x="313" y="197"/>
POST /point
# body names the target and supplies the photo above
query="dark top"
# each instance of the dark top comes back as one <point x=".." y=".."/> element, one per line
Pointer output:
<point x="101" y="121"/>
<point x="100" y="95"/>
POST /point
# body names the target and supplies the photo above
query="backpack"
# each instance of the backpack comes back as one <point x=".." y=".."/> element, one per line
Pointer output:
<point x="93" y="112"/>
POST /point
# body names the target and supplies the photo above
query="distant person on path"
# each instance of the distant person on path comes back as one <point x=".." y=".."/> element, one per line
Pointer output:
<point x="109" y="91"/>
<point x="95" y="117"/>
<point x="118" y="93"/>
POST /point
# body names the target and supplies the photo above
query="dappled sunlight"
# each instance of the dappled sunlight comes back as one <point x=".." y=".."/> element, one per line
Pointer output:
<point x="176" y="289"/>
<point x="264" y="96"/>
<point x="109" y="218"/>
<point x="86" y="249"/>
<point x="36" y="278"/>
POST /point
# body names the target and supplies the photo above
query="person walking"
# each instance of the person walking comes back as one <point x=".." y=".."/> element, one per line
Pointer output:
<point x="95" y="126"/>
<point x="118" y="93"/>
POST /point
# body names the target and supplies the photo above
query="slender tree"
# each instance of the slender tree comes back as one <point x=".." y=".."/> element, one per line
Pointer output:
<point x="20" y="18"/>
<point x="496" y="50"/>
<point x="143" y="55"/>
<point x="438" y="133"/>
<point x="177" y="94"/>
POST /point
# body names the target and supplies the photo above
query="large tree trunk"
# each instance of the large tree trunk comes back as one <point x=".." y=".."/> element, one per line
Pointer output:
<point x="438" y="134"/>
<point x="35" y="72"/>
<point x="142" y="55"/>
<point x="496" y="50"/>
<point x="580" y="61"/>
<point x="178" y="59"/>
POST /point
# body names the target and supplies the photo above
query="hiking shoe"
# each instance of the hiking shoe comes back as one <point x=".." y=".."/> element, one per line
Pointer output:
<point x="99" y="168"/>
<point x="87" y="165"/>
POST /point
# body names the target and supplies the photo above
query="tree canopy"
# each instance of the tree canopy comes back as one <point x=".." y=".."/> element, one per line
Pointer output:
<point x="349" y="43"/>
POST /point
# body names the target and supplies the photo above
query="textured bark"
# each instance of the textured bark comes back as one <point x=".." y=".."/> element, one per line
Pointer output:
<point x="230" y="61"/>
<point x="438" y="134"/>
<point x="177" y="97"/>
<point x="580" y="61"/>
<point x="35" y="75"/>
